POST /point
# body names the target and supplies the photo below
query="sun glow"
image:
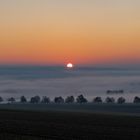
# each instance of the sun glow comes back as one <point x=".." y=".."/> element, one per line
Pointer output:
<point x="70" y="65"/>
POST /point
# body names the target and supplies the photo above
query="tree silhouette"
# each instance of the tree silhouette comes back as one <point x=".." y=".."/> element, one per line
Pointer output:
<point x="110" y="100"/>
<point x="35" y="99"/>
<point x="69" y="99"/>
<point x="58" y="100"/>
<point x="121" y="100"/>
<point x="97" y="100"/>
<point x="45" y="100"/>
<point x="136" y="100"/>
<point x="23" y="99"/>
<point x="81" y="99"/>
<point x="1" y="99"/>
<point x="11" y="100"/>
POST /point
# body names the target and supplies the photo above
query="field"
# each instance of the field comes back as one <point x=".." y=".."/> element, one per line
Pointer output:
<point x="67" y="125"/>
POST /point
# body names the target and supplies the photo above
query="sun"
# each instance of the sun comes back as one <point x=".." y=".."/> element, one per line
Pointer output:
<point x="70" y="65"/>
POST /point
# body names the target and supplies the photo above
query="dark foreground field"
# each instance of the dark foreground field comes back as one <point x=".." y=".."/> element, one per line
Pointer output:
<point x="62" y="125"/>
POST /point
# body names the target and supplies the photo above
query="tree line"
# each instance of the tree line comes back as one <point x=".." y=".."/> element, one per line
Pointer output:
<point x="69" y="100"/>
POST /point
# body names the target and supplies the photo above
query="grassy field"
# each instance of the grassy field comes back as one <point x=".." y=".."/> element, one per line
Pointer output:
<point x="125" y="109"/>
<point x="62" y="125"/>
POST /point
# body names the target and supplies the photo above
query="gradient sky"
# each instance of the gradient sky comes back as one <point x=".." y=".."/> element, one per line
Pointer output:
<point x="62" y="31"/>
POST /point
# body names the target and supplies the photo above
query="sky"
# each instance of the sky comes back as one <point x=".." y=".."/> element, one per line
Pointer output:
<point x="83" y="32"/>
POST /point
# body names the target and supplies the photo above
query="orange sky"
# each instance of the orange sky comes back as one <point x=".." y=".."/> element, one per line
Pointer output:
<point x="77" y="31"/>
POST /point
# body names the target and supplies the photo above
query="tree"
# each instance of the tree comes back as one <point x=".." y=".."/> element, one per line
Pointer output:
<point x="11" y="100"/>
<point x="110" y="100"/>
<point x="23" y="99"/>
<point x="81" y="99"/>
<point x="58" y="100"/>
<point x="45" y="100"/>
<point x="69" y="99"/>
<point x="97" y="100"/>
<point x="35" y="99"/>
<point x="121" y="100"/>
<point x="136" y="100"/>
<point x="1" y="99"/>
